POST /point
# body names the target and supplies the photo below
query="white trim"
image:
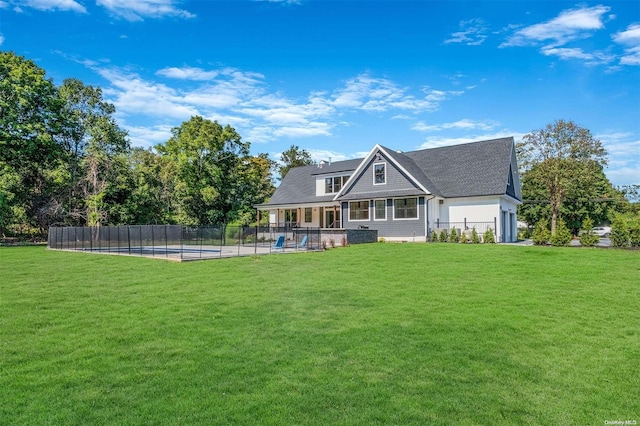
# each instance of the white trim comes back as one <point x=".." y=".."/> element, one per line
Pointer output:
<point x="384" y="169"/>
<point x="406" y="218"/>
<point x="385" y="210"/>
<point x="368" y="209"/>
<point x="360" y="169"/>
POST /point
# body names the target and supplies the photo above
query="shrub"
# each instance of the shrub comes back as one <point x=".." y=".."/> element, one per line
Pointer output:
<point x="541" y="233"/>
<point x="434" y="236"/>
<point x="381" y="240"/>
<point x="344" y="241"/>
<point x="619" y="232"/>
<point x="475" y="238"/>
<point x="563" y="236"/>
<point x="454" y="238"/>
<point x="332" y="243"/>
<point x="463" y="237"/>
<point x="443" y="236"/>
<point x="587" y="237"/>
<point x="634" y="236"/>
<point x="488" y="237"/>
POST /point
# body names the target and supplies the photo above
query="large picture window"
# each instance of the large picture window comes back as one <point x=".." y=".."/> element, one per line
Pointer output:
<point x="308" y="215"/>
<point x="379" y="174"/>
<point x="380" y="210"/>
<point x="359" y="210"/>
<point x="405" y="208"/>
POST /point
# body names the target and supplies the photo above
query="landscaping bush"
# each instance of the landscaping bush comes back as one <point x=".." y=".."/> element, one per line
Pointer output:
<point x="619" y="232"/>
<point x="541" y="233"/>
<point x="475" y="238"/>
<point x="463" y="237"/>
<point x="587" y="237"/>
<point x="563" y="236"/>
<point x="454" y="238"/>
<point x="634" y="236"/>
<point x="443" y="236"/>
<point x="488" y="237"/>
<point x="434" y="237"/>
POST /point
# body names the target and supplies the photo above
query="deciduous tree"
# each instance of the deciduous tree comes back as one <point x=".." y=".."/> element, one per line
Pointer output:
<point x="558" y="158"/>
<point x="294" y="157"/>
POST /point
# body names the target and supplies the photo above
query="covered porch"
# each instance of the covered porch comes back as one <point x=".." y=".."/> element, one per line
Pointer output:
<point x="324" y="216"/>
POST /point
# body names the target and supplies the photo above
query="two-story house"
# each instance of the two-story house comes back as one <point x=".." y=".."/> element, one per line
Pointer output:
<point x="405" y="195"/>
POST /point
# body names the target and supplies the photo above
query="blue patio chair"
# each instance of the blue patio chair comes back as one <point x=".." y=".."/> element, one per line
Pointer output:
<point x="279" y="244"/>
<point x="303" y="243"/>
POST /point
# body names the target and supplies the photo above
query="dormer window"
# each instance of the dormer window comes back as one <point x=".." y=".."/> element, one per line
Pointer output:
<point x="379" y="174"/>
<point x="333" y="185"/>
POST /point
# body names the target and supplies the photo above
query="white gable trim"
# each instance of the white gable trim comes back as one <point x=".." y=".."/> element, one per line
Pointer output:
<point x="357" y="173"/>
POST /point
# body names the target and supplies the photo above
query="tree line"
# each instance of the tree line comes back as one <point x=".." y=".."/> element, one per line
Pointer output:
<point x="64" y="160"/>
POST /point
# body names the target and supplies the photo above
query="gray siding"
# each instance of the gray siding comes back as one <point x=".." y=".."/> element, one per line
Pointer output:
<point x="389" y="227"/>
<point x="395" y="180"/>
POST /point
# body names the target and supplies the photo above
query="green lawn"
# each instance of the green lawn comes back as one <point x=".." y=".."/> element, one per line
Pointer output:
<point x="371" y="334"/>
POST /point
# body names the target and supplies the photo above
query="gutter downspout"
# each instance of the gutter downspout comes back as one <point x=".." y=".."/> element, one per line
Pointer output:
<point x="426" y="217"/>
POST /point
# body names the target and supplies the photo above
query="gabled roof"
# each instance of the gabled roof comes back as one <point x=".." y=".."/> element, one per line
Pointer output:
<point x="466" y="170"/>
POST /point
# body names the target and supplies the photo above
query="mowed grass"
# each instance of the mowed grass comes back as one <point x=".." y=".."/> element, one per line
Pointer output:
<point x="371" y="334"/>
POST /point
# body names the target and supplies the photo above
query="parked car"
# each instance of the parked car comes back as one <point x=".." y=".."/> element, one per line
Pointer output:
<point x="602" y="231"/>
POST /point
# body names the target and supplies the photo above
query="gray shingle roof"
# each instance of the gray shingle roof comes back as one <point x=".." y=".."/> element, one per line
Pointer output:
<point x="467" y="170"/>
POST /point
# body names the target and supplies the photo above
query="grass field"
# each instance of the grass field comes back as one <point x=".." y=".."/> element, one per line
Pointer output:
<point x="372" y="334"/>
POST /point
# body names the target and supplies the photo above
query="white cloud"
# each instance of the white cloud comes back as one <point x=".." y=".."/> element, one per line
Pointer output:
<point x="245" y="101"/>
<point x="438" y="141"/>
<point x="464" y="124"/>
<point x="187" y="73"/>
<point x="52" y="5"/>
<point x="569" y="25"/>
<point x="133" y="95"/>
<point x="147" y="137"/>
<point x="139" y="9"/>
<point x="378" y="94"/>
<point x="1" y="39"/>
<point x="567" y="53"/>
<point x="472" y="33"/>
<point x="4" y="5"/>
<point x="630" y="38"/>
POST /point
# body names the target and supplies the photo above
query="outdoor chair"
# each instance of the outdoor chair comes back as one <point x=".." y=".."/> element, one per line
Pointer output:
<point x="303" y="243"/>
<point x="279" y="244"/>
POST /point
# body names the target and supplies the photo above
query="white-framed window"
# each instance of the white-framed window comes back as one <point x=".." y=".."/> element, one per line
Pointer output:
<point x="359" y="210"/>
<point x="333" y="185"/>
<point x="380" y="210"/>
<point x="405" y="208"/>
<point x="379" y="174"/>
<point x="308" y="215"/>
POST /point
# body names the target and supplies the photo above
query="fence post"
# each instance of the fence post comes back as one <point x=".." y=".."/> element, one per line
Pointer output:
<point x="166" y="243"/>
<point x="495" y="228"/>
<point x="465" y="223"/>
<point x="153" y="243"/>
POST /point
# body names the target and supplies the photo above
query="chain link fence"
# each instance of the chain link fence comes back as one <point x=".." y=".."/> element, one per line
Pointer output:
<point x="179" y="242"/>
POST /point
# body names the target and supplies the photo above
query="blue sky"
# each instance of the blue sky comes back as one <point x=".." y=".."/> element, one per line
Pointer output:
<point x="337" y="77"/>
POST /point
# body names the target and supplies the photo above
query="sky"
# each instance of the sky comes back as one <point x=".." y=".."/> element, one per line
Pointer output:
<point x="337" y="77"/>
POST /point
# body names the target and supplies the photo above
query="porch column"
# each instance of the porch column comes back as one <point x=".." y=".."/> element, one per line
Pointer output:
<point x="335" y="217"/>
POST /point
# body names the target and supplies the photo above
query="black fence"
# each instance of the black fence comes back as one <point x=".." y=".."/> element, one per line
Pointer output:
<point x="178" y="242"/>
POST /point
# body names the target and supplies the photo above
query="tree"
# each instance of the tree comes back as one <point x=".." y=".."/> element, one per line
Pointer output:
<point x="541" y="234"/>
<point x="588" y="238"/>
<point x="563" y="236"/>
<point x="559" y="156"/>
<point x="207" y="158"/>
<point x="294" y="157"/>
<point x="254" y="185"/>
<point x="30" y="122"/>
<point x="95" y="147"/>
